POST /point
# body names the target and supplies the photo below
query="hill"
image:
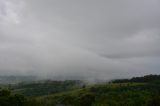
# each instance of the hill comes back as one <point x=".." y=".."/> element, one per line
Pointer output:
<point x="137" y="91"/>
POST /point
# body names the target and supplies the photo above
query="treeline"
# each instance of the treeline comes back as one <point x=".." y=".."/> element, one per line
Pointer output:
<point x="44" y="87"/>
<point x="143" y="79"/>
<point x="8" y="99"/>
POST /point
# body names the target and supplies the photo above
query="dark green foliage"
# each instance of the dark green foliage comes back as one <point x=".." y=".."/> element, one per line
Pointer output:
<point x="45" y="87"/>
<point x="144" y="79"/>
<point x="6" y="99"/>
<point x="4" y="93"/>
<point x="17" y="100"/>
<point x="32" y="102"/>
<point x="86" y="99"/>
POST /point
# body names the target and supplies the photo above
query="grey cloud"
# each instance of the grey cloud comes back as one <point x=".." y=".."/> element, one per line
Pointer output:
<point x="84" y="38"/>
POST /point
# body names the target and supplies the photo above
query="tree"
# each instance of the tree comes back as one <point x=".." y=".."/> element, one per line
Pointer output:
<point x="17" y="100"/>
<point x="4" y="95"/>
<point x="86" y="99"/>
<point x="6" y="99"/>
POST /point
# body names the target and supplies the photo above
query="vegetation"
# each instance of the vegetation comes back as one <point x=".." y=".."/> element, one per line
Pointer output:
<point x="44" y="87"/>
<point x="145" y="79"/>
<point x="138" y="91"/>
<point x="6" y="99"/>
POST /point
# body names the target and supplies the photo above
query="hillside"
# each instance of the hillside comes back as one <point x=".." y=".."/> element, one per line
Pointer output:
<point x="123" y="94"/>
<point x="142" y="91"/>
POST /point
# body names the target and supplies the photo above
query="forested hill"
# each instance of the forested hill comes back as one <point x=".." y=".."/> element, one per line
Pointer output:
<point x="137" y="91"/>
<point x="143" y="79"/>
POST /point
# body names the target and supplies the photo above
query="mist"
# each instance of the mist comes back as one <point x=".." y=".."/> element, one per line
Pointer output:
<point x="88" y="39"/>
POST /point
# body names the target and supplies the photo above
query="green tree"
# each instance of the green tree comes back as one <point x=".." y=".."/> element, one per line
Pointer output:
<point x="4" y="97"/>
<point x="17" y="100"/>
<point x="86" y="99"/>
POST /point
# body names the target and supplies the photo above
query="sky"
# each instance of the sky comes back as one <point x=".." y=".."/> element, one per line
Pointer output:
<point x="100" y="39"/>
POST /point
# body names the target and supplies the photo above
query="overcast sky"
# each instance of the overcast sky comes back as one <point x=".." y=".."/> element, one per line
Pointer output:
<point x="101" y="39"/>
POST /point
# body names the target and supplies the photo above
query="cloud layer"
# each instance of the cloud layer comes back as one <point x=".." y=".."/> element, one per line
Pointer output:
<point x="101" y="39"/>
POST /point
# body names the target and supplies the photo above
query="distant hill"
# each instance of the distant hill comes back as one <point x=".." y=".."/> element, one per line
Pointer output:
<point x="16" y="79"/>
<point x="143" y="79"/>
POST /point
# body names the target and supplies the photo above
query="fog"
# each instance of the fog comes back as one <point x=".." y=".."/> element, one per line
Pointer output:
<point x="91" y="39"/>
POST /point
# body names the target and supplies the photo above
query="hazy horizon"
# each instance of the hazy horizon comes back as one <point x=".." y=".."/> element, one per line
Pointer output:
<point x="93" y="39"/>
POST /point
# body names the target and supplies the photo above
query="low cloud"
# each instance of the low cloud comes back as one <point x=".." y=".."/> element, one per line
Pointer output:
<point x="77" y="38"/>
